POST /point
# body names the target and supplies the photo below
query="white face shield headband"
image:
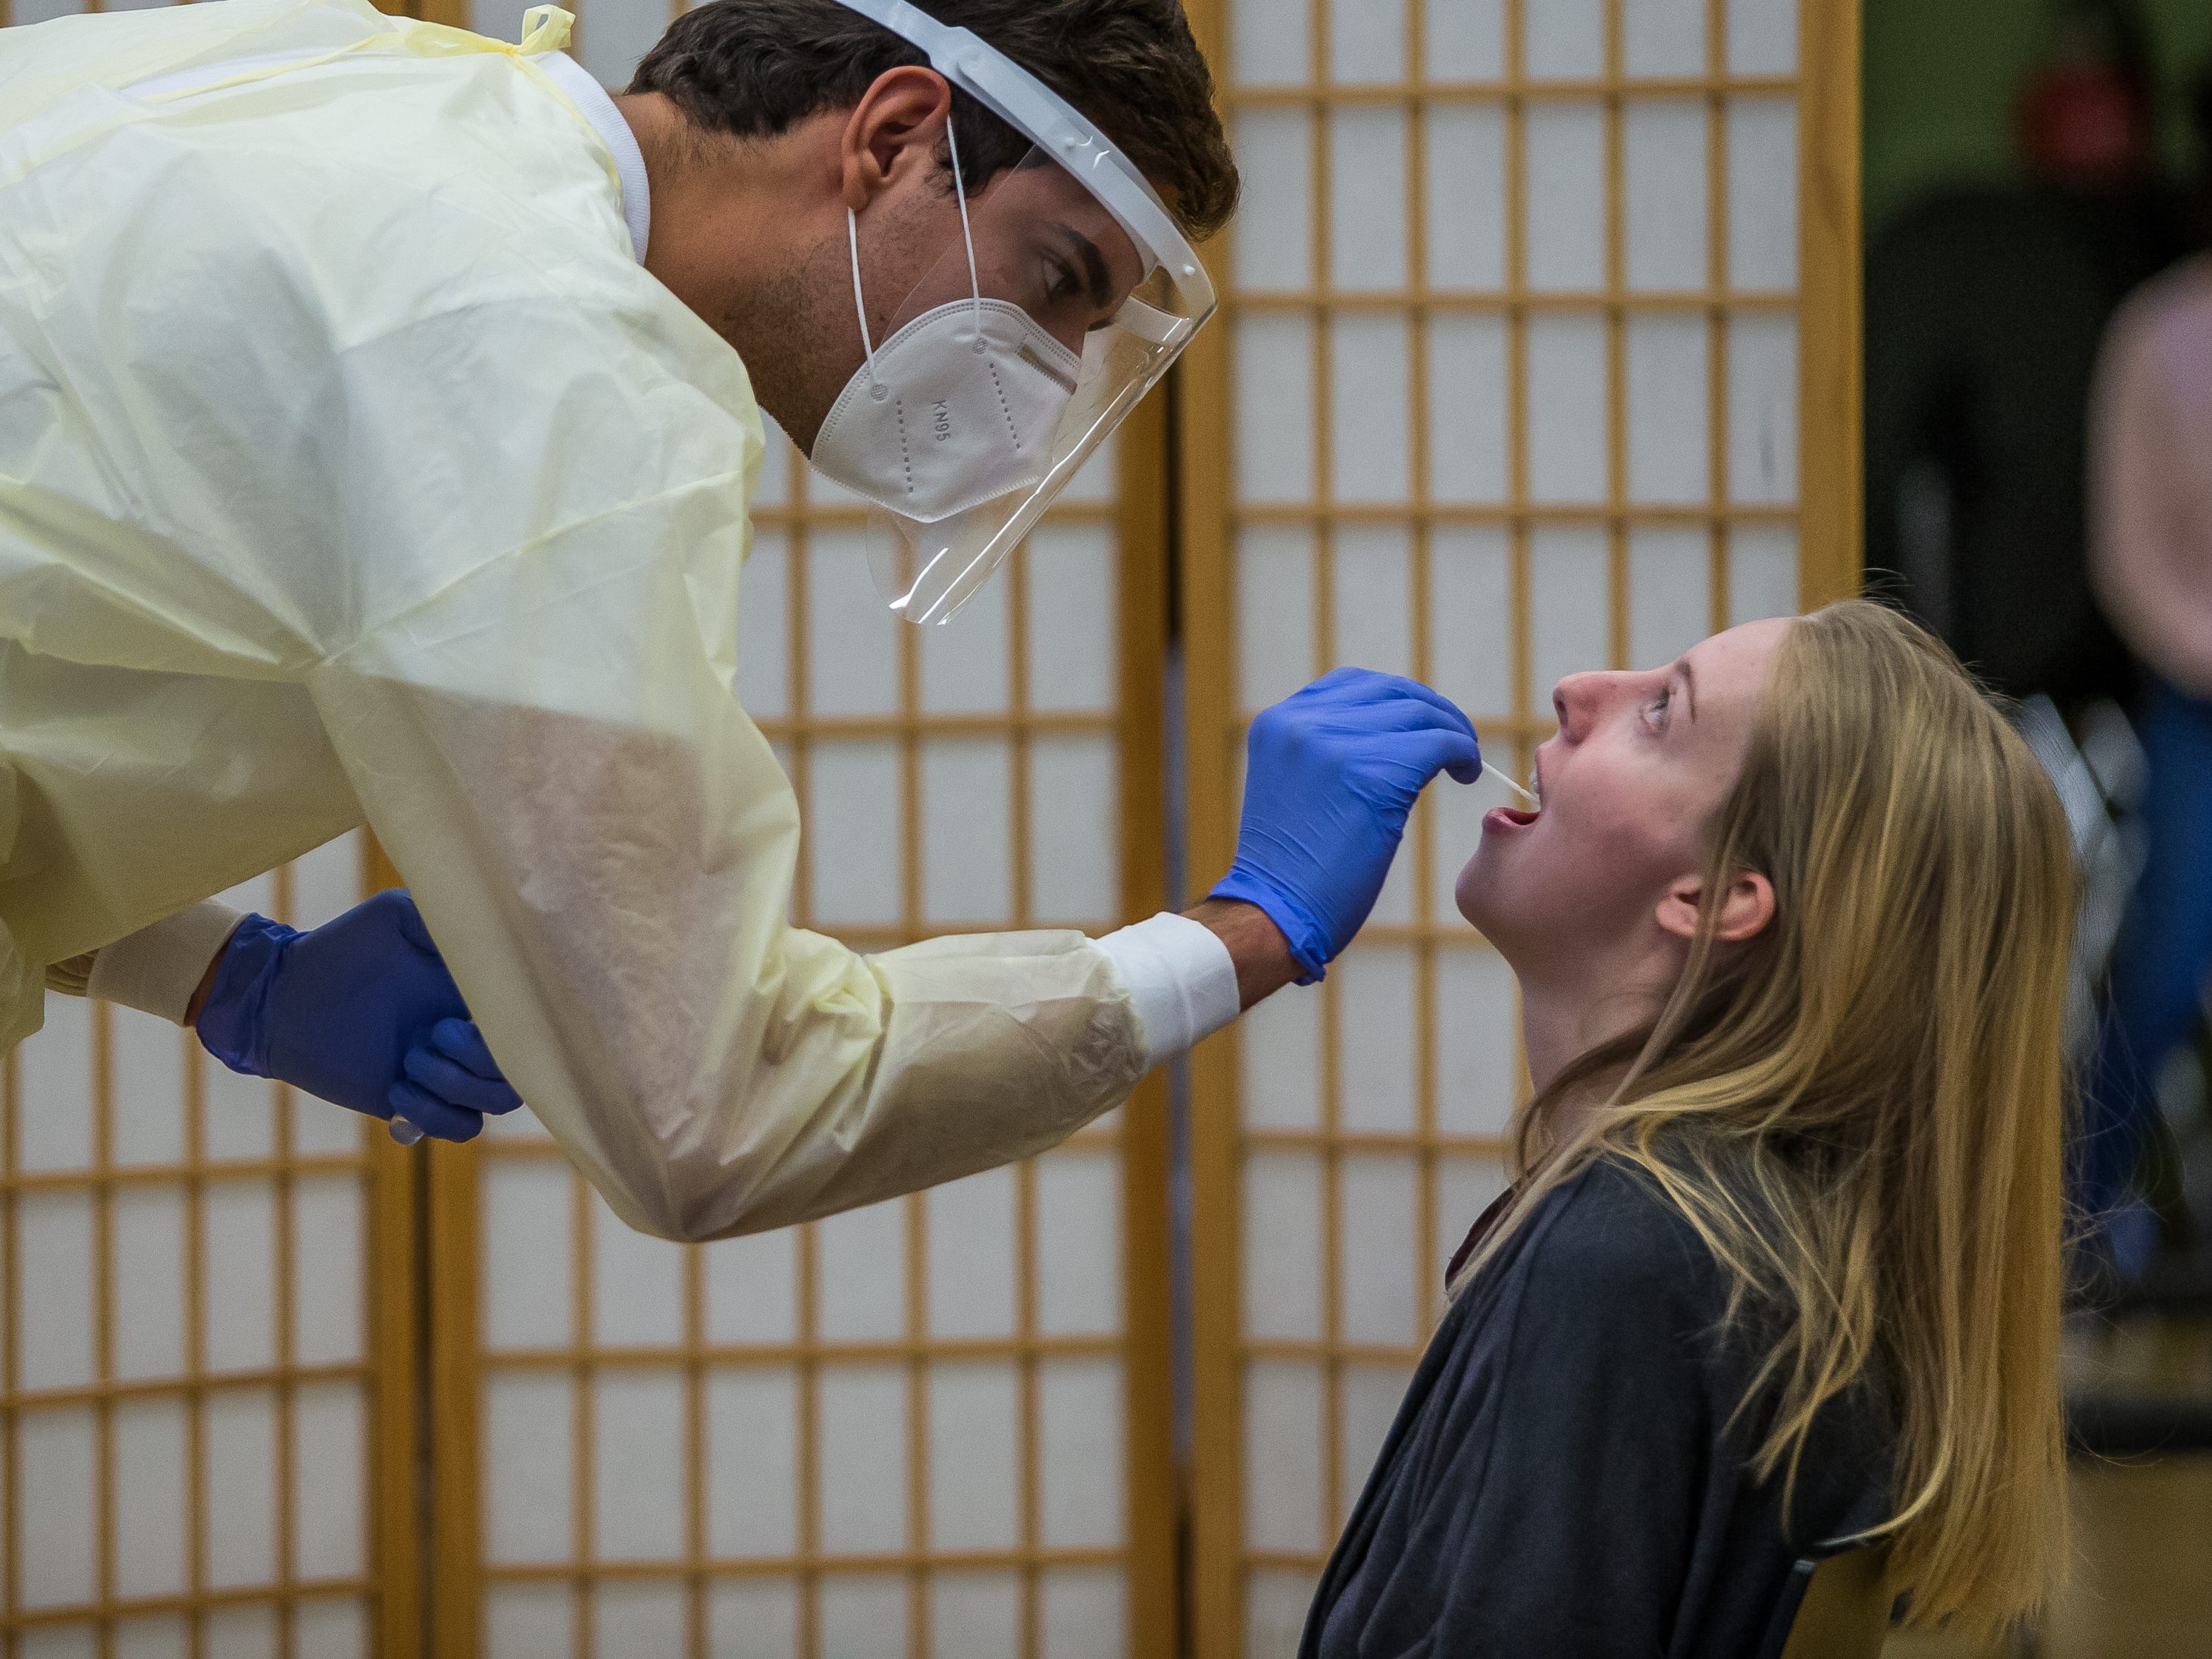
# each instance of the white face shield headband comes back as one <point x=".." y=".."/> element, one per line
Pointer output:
<point x="981" y="401"/>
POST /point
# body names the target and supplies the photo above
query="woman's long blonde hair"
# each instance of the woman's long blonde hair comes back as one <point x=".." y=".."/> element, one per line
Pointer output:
<point x="1861" y="1110"/>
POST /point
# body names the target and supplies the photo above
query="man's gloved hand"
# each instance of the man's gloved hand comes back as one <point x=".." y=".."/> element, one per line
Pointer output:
<point x="361" y="1012"/>
<point x="1331" y="773"/>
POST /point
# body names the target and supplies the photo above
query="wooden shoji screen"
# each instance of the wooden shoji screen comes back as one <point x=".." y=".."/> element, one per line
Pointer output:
<point x="1539" y="354"/>
<point x="206" y="1347"/>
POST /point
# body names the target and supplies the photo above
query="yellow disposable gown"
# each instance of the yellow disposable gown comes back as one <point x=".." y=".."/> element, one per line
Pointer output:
<point x="351" y="467"/>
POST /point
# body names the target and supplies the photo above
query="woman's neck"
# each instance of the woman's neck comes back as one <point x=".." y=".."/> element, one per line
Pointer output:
<point x="1565" y="1016"/>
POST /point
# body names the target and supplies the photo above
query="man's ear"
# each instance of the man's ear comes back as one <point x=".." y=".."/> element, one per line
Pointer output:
<point x="896" y="124"/>
<point x="1746" y="909"/>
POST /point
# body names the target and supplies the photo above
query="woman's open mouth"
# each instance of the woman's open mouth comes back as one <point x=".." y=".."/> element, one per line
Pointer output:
<point x="1508" y="817"/>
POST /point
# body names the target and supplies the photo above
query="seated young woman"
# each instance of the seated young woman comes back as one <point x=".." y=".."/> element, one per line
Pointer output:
<point x="1780" y="1273"/>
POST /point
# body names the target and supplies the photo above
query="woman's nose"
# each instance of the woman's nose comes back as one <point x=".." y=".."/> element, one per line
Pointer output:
<point x="1574" y="701"/>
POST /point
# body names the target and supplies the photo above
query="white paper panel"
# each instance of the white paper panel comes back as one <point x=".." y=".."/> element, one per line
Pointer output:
<point x="1376" y="1207"/>
<point x="1269" y="44"/>
<point x="1282" y="1456"/>
<point x="528" y="1301"/>
<point x="1282" y="1246"/>
<point x="865" y="1616"/>
<point x="1470" y="617"/>
<point x="1478" y="1047"/>
<point x="860" y="1289"/>
<point x="1074" y="829"/>
<point x="1468" y="442"/>
<point x="159" y="1638"/>
<point x="241" y="1112"/>
<point x="1565" y="38"/>
<point x="241" y="1632"/>
<point x="1073" y="601"/>
<point x="1669" y="409"/>
<point x="1274" y="247"/>
<point x="777" y="461"/>
<point x="148" y="1125"/>
<point x="258" y="893"/>
<point x="1082" y="1472"/>
<point x="1763" y="410"/>
<point x="148" y="1284"/>
<point x="53" y="1125"/>
<point x="500" y="19"/>
<point x="1663" y="36"/>
<point x="967" y="831"/>
<point x="972" y="1255"/>
<point x="1367" y="1405"/>
<point x="1465" y="1188"/>
<point x="611" y="36"/>
<point x="1078" y="1243"/>
<point x="752" y="1293"/>
<point x="752" y="1461"/>
<point x="1373" y="610"/>
<point x="1367" y="41"/>
<point x="1085" y="1615"/>
<point x="528" y="1621"/>
<point x="1566" y="409"/>
<point x="1762" y="573"/>
<point x="647" y="1620"/>
<point x="1566" y="194"/>
<point x="54" y="1459"/>
<point x="529" y="1445"/>
<point x="1096" y="481"/>
<point x="977" y="1615"/>
<point x="852" y="661"/>
<point x="333" y="1629"/>
<point x="238" y="1227"/>
<point x="1663" y="184"/>
<point x="330" y="1429"/>
<point x="328" y="1236"/>
<point x="1280" y="1042"/>
<point x="1274" y="613"/>
<point x="1568" y="630"/>
<point x="53" y="1289"/>
<point x="1367" y="197"/>
<point x="1275" y="1604"/>
<point x="1670" y="604"/>
<point x="862" y="1437"/>
<point x="1274" y="396"/>
<point x="1762" y="37"/>
<point x="963" y="664"/>
<point x="1465" y="39"/>
<point x="975" y="1457"/>
<point x="149" y="1491"/>
<point x="38" y="11"/>
<point x="764" y="627"/>
<point x="1762" y="187"/>
<point x="637" y="1439"/>
<point x="1394" y="904"/>
<point x="1375" y="1039"/>
<point x="853" y="822"/>
<point x="1371" y="409"/>
<point x="754" y="1617"/>
<point x="1466" y="200"/>
<point x="325" y="883"/>
<point x="240" y="1427"/>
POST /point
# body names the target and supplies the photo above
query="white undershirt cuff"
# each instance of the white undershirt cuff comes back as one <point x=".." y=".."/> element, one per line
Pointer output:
<point x="157" y="968"/>
<point x="1181" y="978"/>
<point x="592" y="101"/>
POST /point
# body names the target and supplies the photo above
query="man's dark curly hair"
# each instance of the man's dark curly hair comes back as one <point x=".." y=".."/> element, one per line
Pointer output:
<point x="751" y="68"/>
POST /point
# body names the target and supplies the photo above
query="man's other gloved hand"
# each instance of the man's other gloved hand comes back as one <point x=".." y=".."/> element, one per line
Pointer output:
<point x="1331" y="774"/>
<point x="361" y="1012"/>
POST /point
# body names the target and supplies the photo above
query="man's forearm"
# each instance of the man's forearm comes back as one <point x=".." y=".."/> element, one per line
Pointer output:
<point x="1256" y="944"/>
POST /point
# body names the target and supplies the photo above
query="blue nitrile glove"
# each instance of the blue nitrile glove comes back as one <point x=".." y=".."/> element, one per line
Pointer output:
<point x="359" y="1012"/>
<point x="1330" y="774"/>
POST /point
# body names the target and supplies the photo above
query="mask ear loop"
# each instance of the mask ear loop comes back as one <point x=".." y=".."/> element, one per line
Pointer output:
<point x="861" y="302"/>
<point x="968" y="235"/>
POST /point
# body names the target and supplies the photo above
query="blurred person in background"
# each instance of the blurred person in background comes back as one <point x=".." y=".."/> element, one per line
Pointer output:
<point x="2152" y="564"/>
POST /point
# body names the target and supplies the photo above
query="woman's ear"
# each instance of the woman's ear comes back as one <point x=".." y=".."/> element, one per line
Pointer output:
<point x="1746" y="909"/>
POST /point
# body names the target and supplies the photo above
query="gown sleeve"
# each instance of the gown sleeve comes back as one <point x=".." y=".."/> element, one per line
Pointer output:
<point x="545" y="739"/>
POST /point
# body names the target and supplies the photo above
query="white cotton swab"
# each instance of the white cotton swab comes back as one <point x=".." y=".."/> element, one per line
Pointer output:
<point x="1516" y="788"/>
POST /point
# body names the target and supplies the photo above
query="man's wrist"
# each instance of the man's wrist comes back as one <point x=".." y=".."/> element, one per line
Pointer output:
<point x="1256" y="944"/>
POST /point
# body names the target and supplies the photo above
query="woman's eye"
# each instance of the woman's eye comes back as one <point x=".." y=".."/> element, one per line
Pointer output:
<point x="1656" y="710"/>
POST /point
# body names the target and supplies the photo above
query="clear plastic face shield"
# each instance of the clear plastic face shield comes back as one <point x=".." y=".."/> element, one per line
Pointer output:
<point x="1064" y="297"/>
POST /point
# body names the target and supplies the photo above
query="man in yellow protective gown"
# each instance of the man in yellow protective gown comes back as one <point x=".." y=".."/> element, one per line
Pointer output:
<point x="378" y="424"/>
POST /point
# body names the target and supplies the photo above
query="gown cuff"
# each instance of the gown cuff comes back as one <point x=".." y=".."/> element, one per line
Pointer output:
<point x="157" y="968"/>
<point x="1182" y="979"/>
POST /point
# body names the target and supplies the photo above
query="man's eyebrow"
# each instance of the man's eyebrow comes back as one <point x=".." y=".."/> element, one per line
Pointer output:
<point x="1689" y="685"/>
<point x="1096" y="278"/>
